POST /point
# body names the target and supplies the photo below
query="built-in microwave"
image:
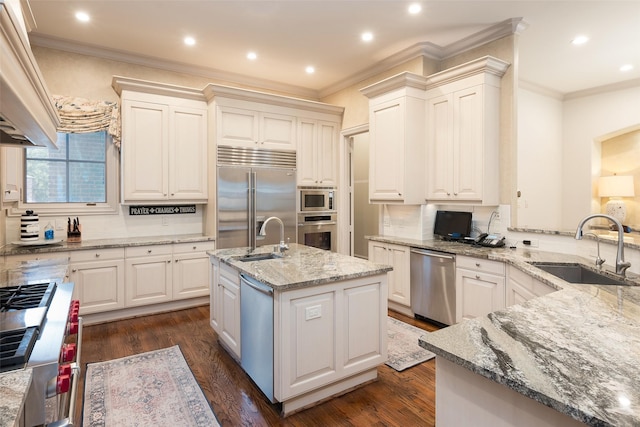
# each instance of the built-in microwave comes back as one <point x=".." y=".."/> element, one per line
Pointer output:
<point x="317" y="200"/>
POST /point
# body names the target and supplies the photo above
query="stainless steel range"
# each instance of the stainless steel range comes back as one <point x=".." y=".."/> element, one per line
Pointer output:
<point x="40" y="329"/>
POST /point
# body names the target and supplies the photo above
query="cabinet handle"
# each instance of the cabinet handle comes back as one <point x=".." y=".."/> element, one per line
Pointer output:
<point x="477" y="264"/>
<point x="148" y="251"/>
<point x="74" y="270"/>
<point x="169" y="261"/>
<point x="173" y="194"/>
<point x="97" y="255"/>
<point x="448" y="194"/>
<point x="399" y="194"/>
<point x="455" y="194"/>
<point x="477" y="277"/>
<point x="195" y="247"/>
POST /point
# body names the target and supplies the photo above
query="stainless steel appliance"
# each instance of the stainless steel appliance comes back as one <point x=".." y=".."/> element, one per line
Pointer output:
<point x="317" y="199"/>
<point x="253" y="185"/>
<point x="256" y="336"/>
<point x="433" y="285"/>
<point x="318" y="229"/>
<point x="40" y="329"/>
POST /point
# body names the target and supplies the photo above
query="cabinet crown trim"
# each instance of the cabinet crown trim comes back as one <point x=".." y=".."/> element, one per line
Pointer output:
<point x="486" y="64"/>
<point x="398" y="81"/>
<point x="120" y="84"/>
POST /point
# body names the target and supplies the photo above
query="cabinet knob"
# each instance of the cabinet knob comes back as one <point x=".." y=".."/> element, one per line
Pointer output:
<point x="176" y="261"/>
<point x="477" y="264"/>
<point x="168" y="261"/>
<point x="477" y="277"/>
<point x="97" y="255"/>
<point x="148" y="251"/>
<point x="74" y="270"/>
<point x="173" y="194"/>
<point x="399" y="194"/>
<point x="448" y="194"/>
<point x="195" y="247"/>
<point x="455" y="194"/>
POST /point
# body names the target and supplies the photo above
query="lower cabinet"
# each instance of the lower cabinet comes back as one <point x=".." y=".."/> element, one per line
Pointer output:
<point x="480" y="287"/>
<point x="225" y="305"/>
<point x="398" y="257"/>
<point x="99" y="279"/>
<point x="148" y="275"/>
<point x="522" y="287"/>
<point x="191" y="269"/>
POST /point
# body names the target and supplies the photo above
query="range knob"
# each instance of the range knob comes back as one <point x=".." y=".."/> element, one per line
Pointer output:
<point x="68" y="352"/>
<point x="64" y="369"/>
<point x="63" y="384"/>
<point x="72" y="327"/>
<point x="74" y="311"/>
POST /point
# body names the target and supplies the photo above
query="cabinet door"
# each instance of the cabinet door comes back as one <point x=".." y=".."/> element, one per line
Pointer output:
<point x="521" y="287"/>
<point x="229" y="304"/>
<point x="99" y="285"/>
<point x="317" y="153"/>
<point x="327" y="152"/>
<point x="11" y="173"/>
<point x="399" y="284"/>
<point x="468" y="138"/>
<point x="145" y="142"/>
<point x="190" y="275"/>
<point x="237" y="127"/>
<point x="386" y="166"/>
<point x="188" y="160"/>
<point x="214" y="296"/>
<point x="378" y="252"/>
<point x="306" y="152"/>
<point x="277" y="131"/>
<point x="478" y="294"/>
<point x="148" y="280"/>
<point x="440" y="147"/>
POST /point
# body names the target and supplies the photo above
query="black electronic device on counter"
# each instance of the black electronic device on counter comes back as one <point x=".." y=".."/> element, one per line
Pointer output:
<point x="452" y="225"/>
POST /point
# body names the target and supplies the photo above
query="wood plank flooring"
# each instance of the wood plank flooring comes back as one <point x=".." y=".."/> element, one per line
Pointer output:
<point x="396" y="399"/>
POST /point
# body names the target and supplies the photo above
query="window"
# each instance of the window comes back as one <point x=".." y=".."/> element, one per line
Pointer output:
<point x="75" y="173"/>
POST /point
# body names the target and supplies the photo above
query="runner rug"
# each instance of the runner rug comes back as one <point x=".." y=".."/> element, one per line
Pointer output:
<point x="403" y="348"/>
<point x="156" y="388"/>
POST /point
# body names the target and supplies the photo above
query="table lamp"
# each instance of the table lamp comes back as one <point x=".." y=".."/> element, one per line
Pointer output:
<point x="616" y="186"/>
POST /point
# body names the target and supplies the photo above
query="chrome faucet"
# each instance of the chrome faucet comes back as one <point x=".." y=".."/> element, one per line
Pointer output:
<point x="599" y="261"/>
<point x="263" y="232"/>
<point x="621" y="265"/>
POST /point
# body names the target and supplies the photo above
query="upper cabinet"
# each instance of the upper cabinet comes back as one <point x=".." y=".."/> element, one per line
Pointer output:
<point x="318" y="152"/>
<point x="463" y="133"/>
<point x="397" y="139"/>
<point x="240" y="127"/>
<point x="164" y="143"/>
<point x="436" y="138"/>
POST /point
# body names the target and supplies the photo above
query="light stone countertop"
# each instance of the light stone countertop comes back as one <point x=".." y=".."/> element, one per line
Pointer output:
<point x="302" y="266"/>
<point x="575" y="350"/>
<point x="13" y="392"/>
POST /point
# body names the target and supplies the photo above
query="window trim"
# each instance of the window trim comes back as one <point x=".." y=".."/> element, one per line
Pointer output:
<point x="110" y="207"/>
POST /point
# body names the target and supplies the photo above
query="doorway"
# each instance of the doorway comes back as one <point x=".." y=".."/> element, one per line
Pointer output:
<point x="365" y="218"/>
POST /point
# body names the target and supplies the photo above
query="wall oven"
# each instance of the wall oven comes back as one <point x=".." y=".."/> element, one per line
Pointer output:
<point x="317" y="199"/>
<point x="318" y="229"/>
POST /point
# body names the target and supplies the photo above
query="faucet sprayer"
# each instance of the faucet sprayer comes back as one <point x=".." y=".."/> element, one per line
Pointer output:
<point x="621" y="265"/>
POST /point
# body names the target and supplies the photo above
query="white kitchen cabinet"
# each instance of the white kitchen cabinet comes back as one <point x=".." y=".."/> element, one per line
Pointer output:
<point x="522" y="287"/>
<point x="463" y="133"/>
<point x="318" y="143"/>
<point x="164" y="145"/>
<point x="240" y="127"/>
<point x="148" y="275"/>
<point x="191" y="269"/>
<point x="480" y="287"/>
<point x="399" y="285"/>
<point x="225" y="305"/>
<point x="98" y="276"/>
<point x="397" y="139"/>
<point x="11" y="175"/>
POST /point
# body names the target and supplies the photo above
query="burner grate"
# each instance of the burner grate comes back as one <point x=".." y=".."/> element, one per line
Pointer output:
<point x="15" y="347"/>
<point x="26" y="296"/>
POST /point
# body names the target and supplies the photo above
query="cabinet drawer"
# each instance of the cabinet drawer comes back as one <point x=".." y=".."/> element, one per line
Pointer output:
<point x="37" y="257"/>
<point x="537" y="287"/>
<point x="151" y="250"/>
<point x="96" y="255"/>
<point x="186" y="248"/>
<point x="481" y="265"/>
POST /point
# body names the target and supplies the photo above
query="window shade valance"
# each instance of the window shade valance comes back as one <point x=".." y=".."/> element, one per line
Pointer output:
<point x="79" y="115"/>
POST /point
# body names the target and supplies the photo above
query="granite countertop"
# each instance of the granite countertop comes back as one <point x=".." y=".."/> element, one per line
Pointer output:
<point x="15" y="273"/>
<point x="575" y="350"/>
<point x="302" y="266"/>
<point x="13" y="392"/>
<point x="64" y="246"/>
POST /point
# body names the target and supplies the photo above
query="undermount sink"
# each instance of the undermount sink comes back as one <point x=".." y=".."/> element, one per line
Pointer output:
<point x="577" y="273"/>
<point x="258" y="257"/>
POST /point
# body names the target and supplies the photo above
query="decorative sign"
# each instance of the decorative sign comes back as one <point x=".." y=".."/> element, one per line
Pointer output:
<point x="162" y="210"/>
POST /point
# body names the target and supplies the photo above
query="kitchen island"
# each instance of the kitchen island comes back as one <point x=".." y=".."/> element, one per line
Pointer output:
<point x="329" y="318"/>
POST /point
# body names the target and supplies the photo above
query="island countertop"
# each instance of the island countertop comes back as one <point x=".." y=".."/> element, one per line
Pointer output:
<point x="301" y="266"/>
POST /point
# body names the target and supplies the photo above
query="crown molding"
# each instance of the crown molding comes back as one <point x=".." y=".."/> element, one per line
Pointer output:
<point x="121" y="83"/>
<point x="627" y="84"/>
<point x="541" y="90"/>
<point x="495" y="32"/>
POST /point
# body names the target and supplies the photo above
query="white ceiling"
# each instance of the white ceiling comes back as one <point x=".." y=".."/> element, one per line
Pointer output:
<point x="288" y="35"/>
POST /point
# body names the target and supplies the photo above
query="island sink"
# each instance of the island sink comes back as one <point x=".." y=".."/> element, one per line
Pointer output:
<point x="577" y="273"/>
<point x="258" y="257"/>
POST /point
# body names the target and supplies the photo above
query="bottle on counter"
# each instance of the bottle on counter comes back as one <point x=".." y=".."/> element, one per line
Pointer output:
<point x="48" y="232"/>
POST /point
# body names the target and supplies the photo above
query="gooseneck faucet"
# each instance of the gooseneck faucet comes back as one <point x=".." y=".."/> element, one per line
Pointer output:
<point x="621" y="265"/>
<point x="263" y="232"/>
<point x="599" y="261"/>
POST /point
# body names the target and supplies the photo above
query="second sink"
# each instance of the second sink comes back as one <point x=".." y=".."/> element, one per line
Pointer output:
<point x="577" y="273"/>
<point x="257" y="257"/>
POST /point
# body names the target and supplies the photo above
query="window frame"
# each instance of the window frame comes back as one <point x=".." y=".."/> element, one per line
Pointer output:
<point x="112" y="183"/>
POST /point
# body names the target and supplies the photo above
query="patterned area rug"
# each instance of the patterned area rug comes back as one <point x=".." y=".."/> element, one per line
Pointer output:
<point x="403" y="348"/>
<point x="148" y="389"/>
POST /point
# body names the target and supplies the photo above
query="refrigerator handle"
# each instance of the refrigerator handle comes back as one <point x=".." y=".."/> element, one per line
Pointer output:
<point x="250" y="200"/>
<point x="253" y="209"/>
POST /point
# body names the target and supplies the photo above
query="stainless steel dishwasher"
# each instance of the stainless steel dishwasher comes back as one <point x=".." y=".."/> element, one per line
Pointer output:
<point x="256" y="333"/>
<point x="433" y="285"/>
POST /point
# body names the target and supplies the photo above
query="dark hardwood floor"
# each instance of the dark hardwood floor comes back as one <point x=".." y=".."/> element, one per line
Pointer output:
<point x="396" y="399"/>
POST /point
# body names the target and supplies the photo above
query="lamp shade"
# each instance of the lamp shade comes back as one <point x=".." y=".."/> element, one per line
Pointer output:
<point x="616" y="186"/>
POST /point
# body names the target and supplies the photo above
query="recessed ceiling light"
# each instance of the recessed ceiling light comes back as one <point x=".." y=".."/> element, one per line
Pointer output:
<point x="415" y="8"/>
<point x="189" y="41"/>
<point x="626" y="67"/>
<point x="367" y="36"/>
<point x="83" y="16"/>
<point x="310" y="69"/>
<point x="252" y="56"/>
<point x="578" y="40"/>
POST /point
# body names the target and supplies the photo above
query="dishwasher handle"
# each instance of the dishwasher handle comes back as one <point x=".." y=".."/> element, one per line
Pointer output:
<point x="254" y="284"/>
<point x="433" y="254"/>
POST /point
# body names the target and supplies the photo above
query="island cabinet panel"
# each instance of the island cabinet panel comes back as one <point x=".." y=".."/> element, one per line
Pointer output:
<point x="522" y="287"/>
<point x="99" y="279"/>
<point x="398" y="257"/>
<point x="319" y="336"/>
<point x="225" y="305"/>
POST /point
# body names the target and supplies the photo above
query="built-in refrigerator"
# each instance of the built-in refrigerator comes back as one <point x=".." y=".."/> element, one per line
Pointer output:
<point x="248" y="195"/>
